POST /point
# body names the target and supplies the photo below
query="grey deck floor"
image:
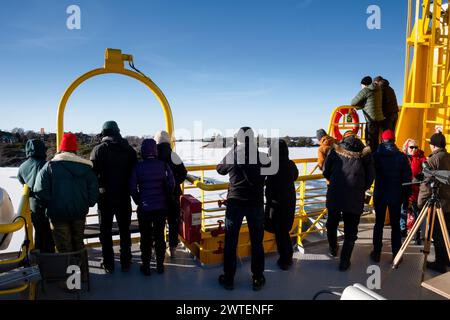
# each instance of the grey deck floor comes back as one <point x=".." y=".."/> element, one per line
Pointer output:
<point x="312" y="271"/>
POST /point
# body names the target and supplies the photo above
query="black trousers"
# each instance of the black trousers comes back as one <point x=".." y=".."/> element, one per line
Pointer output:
<point x="43" y="238"/>
<point x="394" y="217"/>
<point x="122" y="212"/>
<point x="351" y="223"/>
<point x="373" y="134"/>
<point x="439" y="243"/>
<point x="282" y="219"/>
<point x="173" y="220"/>
<point x="236" y="210"/>
<point x="151" y="227"/>
<point x="390" y="122"/>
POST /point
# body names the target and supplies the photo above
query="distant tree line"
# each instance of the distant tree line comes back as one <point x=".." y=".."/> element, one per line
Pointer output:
<point x="12" y="144"/>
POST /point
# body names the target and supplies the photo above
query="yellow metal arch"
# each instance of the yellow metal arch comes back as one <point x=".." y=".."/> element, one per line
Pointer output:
<point x="114" y="63"/>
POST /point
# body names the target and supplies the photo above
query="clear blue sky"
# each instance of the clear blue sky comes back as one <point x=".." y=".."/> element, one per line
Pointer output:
<point x="275" y="64"/>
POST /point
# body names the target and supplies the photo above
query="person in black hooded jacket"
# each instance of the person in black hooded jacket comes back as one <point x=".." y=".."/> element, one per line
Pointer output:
<point x="113" y="161"/>
<point x="245" y="198"/>
<point x="281" y="200"/>
<point x="179" y="171"/>
<point x="350" y="170"/>
<point x="36" y="153"/>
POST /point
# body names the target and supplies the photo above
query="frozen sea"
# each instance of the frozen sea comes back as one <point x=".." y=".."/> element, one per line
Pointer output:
<point x="192" y="153"/>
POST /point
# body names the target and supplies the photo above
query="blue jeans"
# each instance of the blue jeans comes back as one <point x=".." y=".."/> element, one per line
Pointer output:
<point x="404" y="217"/>
<point x="236" y="210"/>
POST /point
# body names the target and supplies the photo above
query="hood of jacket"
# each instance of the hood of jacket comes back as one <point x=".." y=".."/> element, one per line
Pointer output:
<point x="117" y="141"/>
<point x="283" y="150"/>
<point x="388" y="149"/>
<point x="149" y="149"/>
<point x="36" y="148"/>
<point x="352" y="147"/>
<point x="76" y="165"/>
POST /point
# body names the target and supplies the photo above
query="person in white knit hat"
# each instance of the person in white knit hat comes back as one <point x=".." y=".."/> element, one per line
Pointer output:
<point x="162" y="137"/>
<point x="175" y="163"/>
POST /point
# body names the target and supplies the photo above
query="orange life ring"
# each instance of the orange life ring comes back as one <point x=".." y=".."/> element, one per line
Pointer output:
<point x="337" y="117"/>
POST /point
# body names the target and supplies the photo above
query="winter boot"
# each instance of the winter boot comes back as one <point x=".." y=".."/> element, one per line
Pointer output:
<point x="333" y="243"/>
<point x="346" y="255"/>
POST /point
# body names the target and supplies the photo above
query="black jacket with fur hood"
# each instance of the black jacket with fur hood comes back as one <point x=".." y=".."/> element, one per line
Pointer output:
<point x="350" y="170"/>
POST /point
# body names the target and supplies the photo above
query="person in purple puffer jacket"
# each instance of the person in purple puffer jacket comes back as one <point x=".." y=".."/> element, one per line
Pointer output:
<point x="151" y="185"/>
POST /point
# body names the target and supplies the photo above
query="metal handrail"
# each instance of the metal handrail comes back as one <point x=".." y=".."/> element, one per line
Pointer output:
<point x="315" y="215"/>
<point x="23" y="222"/>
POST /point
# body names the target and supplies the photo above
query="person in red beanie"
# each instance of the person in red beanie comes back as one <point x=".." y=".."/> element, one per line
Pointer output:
<point x="68" y="187"/>
<point x="392" y="170"/>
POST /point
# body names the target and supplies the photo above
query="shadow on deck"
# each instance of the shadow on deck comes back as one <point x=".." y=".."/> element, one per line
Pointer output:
<point x="313" y="271"/>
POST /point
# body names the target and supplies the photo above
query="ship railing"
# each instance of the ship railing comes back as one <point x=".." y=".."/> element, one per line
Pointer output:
<point x="310" y="201"/>
<point x="21" y="222"/>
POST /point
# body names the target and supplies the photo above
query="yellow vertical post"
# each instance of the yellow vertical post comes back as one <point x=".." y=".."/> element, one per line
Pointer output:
<point x="203" y="200"/>
<point x="302" y="206"/>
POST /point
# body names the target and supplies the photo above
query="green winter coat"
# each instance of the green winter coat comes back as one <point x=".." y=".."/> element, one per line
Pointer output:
<point x="370" y="100"/>
<point x="68" y="186"/>
<point x="35" y="151"/>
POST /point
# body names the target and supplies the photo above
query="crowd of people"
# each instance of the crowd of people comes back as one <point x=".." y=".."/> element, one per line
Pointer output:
<point x="350" y="168"/>
<point x="63" y="190"/>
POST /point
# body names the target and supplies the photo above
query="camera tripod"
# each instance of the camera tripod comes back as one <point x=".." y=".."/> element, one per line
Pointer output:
<point x="429" y="212"/>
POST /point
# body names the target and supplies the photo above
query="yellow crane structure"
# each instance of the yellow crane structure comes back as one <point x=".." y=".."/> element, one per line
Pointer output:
<point x="425" y="107"/>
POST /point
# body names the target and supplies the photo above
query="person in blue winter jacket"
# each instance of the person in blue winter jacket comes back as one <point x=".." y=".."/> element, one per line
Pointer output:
<point x="151" y="186"/>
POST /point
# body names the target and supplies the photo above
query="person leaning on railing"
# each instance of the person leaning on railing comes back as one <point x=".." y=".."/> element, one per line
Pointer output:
<point x="68" y="187"/>
<point x="438" y="160"/>
<point x="326" y="143"/>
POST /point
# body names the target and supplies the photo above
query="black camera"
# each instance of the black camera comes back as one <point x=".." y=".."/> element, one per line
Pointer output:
<point x="441" y="176"/>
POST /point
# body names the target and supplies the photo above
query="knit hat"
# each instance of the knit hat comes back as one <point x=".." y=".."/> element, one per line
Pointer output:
<point x="162" y="137"/>
<point x="148" y="149"/>
<point x="367" y="81"/>
<point x="438" y="140"/>
<point x="320" y="134"/>
<point x="111" y="126"/>
<point x="69" y="143"/>
<point x="245" y="132"/>
<point x="388" y="135"/>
